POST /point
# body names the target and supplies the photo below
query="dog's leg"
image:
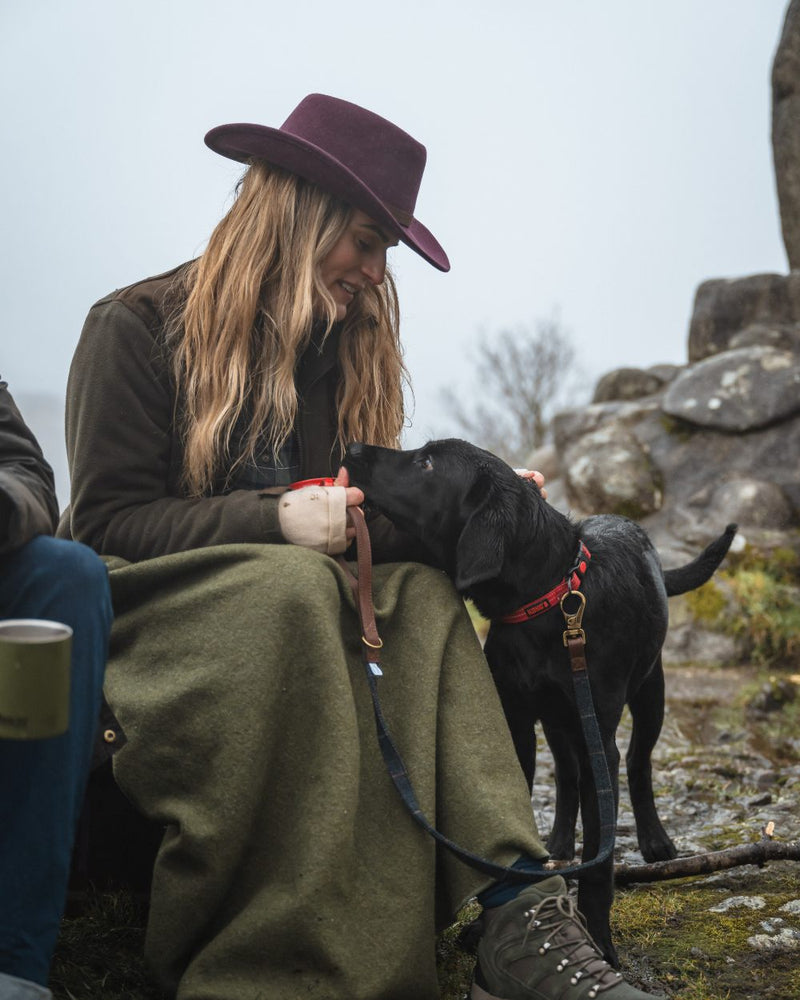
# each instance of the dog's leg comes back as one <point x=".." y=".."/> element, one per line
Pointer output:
<point x="596" y="887"/>
<point x="647" y="712"/>
<point x="564" y="744"/>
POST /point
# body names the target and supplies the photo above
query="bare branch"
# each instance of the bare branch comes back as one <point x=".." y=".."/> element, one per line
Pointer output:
<point x="758" y="853"/>
<point x="522" y="376"/>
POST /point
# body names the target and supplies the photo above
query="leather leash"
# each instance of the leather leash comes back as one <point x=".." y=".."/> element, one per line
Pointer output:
<point x="371" y="645"/>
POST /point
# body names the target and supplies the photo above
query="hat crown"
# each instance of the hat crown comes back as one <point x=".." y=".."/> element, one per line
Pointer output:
<point x="349" y="152"/>
<point x="385" y="158"/>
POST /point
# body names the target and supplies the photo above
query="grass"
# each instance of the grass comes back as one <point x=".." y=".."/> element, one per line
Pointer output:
<point x="99" y="952"/>
<point x="756" y="599"/>
<point x="669" y="941"/>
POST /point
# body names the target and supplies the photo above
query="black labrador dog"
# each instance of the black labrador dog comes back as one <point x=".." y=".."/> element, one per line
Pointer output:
<point x="505" y="547"/>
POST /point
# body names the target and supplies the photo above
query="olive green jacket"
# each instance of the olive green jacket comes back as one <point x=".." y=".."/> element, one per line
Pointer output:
<point x="126" y="454"/>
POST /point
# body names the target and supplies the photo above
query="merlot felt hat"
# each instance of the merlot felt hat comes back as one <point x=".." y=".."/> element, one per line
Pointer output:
<point x="349" y="152"/>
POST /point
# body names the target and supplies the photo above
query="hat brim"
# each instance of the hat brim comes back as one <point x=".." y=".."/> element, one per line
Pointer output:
<point x="245" y="142"/>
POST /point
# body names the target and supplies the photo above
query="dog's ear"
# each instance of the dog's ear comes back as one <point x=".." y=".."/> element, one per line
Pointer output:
<point x="481" y="545"/>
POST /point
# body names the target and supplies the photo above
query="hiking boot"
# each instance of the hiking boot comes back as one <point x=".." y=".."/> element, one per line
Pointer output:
<point x="537" y="947"/>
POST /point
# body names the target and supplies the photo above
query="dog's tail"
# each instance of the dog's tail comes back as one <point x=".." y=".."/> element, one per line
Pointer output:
<point x="695" y="573"/>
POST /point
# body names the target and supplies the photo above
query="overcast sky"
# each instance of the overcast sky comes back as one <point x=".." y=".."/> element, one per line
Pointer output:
<point x="594" y="158"/>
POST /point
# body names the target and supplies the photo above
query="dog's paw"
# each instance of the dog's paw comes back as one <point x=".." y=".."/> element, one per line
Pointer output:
<point x="561" y="846"/>
<point x="658" y="850"/>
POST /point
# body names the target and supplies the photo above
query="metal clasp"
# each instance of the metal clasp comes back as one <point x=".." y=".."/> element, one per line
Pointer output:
<point x="573" y="621"/>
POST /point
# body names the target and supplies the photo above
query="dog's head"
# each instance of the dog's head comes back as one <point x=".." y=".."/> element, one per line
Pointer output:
<point x="462" y="502"/>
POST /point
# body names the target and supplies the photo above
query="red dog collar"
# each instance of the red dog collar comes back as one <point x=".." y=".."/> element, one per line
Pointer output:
<point x="572" y="581"/>
<point x="322" y="481"/>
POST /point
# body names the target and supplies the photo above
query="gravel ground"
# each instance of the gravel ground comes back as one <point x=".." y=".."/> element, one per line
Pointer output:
<point x="726" y="766"/>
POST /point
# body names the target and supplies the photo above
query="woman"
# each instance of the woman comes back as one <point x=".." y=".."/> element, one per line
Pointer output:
<point x="289" y="867"/>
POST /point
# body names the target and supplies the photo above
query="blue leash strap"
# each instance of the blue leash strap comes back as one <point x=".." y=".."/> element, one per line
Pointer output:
<point x="371" y="644"/>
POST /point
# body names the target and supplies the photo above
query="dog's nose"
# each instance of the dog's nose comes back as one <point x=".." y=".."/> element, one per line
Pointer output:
<point x="355" y="449"/>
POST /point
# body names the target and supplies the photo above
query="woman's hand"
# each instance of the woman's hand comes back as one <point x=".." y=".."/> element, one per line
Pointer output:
<point x="316" y="516"/>
<point x="537" y="477"/>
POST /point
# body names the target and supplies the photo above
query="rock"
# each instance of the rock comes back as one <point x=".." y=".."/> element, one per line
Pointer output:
<point x="735" y="902"/>
<point x="664" y="372"/>
<point x="545" y="460"/>
<point x="572" y="424"/>
<point x="783" y="338"/>
<point x="609" y="472"/>
<point x="786" y="939"/>
<point x="689" y="642"/>
<point x="747" y="502"/>
<point x="786" y="130"/>
<point x="704" y="458"/>
<point x="626" y="384"/>
<point x="766" y="779"/>
<point x="725" y="308"/>
<point x="773" y="695"/>
<point x="738" y="390"/>
<point x="793" y="906"/>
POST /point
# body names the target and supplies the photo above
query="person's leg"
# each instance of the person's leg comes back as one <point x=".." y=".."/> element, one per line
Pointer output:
<point x="42" y="782"/>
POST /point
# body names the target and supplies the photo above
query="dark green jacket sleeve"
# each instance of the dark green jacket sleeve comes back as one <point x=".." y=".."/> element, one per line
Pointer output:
<point x="28" y="504"/>
<point x="124" y="452"/>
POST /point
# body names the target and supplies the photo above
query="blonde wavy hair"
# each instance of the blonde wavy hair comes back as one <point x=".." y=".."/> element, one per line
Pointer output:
<point x="252" y="299"/>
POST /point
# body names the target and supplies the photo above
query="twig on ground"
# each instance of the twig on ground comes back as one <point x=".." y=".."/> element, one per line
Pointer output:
<point x="758" y="853"/>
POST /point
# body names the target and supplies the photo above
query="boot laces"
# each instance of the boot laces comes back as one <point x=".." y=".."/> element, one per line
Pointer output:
<point x="565" y="930"/>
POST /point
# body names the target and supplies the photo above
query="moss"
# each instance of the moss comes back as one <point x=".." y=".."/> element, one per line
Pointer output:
<point x="701" y="955"/>
<point x="454" y="961"/>
<point x="707" y="604"/>
<point x="679" y="430"/>
<point x="755" y="600"/>
<point x="768" y="617"/>
<point x="781" y="563"/>
<point x="631" y="509"/>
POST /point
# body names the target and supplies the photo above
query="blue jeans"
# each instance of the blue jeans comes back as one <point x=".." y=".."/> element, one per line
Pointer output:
<point x="42" y="782"/>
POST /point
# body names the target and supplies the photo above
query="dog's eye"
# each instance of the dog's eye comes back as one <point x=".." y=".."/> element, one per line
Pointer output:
<point x="425" y="463"/>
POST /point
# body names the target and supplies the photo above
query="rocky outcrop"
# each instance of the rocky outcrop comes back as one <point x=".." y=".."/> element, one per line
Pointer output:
<point x="786" y="130"/>
<point x="714" y="441"/>
<point x="686" y="450"/>
<point x="760" y="309"/>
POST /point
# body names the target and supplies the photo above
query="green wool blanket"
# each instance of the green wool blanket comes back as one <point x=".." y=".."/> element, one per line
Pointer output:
<point x="289" y="867"/>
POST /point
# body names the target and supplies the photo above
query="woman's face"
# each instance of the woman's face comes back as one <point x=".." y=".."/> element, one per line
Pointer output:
<point x="357" y="259"/>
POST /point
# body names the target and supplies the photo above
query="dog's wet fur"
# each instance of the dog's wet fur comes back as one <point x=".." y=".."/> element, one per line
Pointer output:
<point x="503" y="545"/>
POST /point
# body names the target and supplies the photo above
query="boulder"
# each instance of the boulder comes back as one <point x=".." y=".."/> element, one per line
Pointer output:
<point x="545" y="459"/>
<point x="725" y="308"/>
<point x="608" y="471"/>
<point x="626" y="384"/>
<point x="781" y="337"/>
<point x="739" y="390"/>
<point x="572" y="424"/>
<point x="750" y="503"/>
